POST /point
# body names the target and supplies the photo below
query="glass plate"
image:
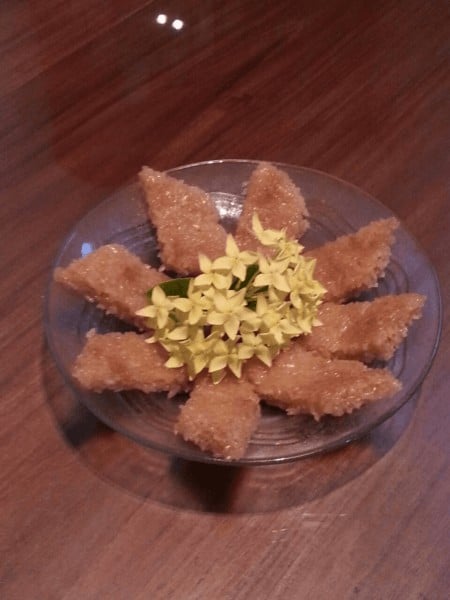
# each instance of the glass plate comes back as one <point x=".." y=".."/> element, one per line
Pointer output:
<point x="336" y="208"/>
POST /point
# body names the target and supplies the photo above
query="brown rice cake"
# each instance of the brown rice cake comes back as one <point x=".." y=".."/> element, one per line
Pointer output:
<point x="220" y="418"/>
<point x="354" y="263"/>
<point x="114" y="278"/>
<point x="278" y="203"/>
<point x="303" y="382"/>
<point x="186" y="221"/>
<point x="364" y="331"/>
<point x="125" y="361"/>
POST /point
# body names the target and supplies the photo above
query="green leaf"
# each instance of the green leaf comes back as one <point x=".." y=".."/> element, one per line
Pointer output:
<point x="173" y="287"/>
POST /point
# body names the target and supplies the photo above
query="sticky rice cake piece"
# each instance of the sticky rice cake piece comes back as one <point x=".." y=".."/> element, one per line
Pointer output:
<point x="365" y="331"/>
<point x="277" y="201"/>
<point x="125" y="361"/>
<point x="303" y="382"/>
<point x="220" y="418"/>
<point x="114" y="279"/>
<point x="186" y="221"/>
<point x="354" y="263"/>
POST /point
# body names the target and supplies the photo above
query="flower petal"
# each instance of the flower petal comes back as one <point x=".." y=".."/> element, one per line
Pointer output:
<point x="231" y="248"/>
<point x="203" y="280"/>
<point x="173" y="362"/>
<point x="216" y="318"/>
<point x="236" y="368"/>
<point x="223" y="263"/>
<point x="217" y="363"/>
<point x="231" y="327"/>
<point x="204" y="263"/>
<point x="239" y="270"/>
<point x="159" y="298"/>
<point x="178" y="334"/>
<point x="182" y="304"/>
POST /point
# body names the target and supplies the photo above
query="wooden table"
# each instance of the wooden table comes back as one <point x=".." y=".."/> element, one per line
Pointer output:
<point x="90" y="91"/>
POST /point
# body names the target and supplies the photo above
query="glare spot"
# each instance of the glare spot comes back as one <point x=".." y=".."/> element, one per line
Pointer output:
<point x="86" y="248"/>
<point x="177" y="24"/>
<point x="161" y="19"/>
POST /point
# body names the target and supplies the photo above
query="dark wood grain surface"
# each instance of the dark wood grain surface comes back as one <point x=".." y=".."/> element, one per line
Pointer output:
<point x="90" y="91"/>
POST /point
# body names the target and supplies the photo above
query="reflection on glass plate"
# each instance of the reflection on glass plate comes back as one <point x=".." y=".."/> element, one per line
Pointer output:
<point x="336" y="208"/>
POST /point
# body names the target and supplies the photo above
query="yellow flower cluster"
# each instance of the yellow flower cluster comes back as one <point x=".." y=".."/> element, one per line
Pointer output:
<point x="242" y="305"/>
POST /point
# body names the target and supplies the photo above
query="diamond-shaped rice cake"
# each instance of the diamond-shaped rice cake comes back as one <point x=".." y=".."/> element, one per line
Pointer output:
<point x="277" y="201"/>
<point x="186" y="221"/>
<point x="364" y="331"/>
<point x="354" y="263"/>
<point x="114" y="279"/>
<point x="125" y="361"/>
<point x="220" y="418"/>
<point x="303" y="382"/>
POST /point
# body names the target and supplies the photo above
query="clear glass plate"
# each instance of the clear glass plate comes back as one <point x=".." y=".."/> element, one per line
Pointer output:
<point x="336" y="208"/>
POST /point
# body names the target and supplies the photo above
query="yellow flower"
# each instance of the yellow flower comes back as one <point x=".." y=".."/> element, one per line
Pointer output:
<point x="242" y="305"/>
<point x="253" y="345"/>
<point x="158" y="311"/>
<point x="235" y="261"/>
<point x="272" y="274"/>
<point x="274" y="337"/>
<point x="302" y="278"/>
<point x="193" y="309"/>
<point x="267" y="237"/>
<point x="210" y="277"/>
<point x="194" y="351"/>
<point x="224" y="354"/>
<point x="228" y="307"/>
<point x="304" y="317"/>
<point x="264" y="315"/>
